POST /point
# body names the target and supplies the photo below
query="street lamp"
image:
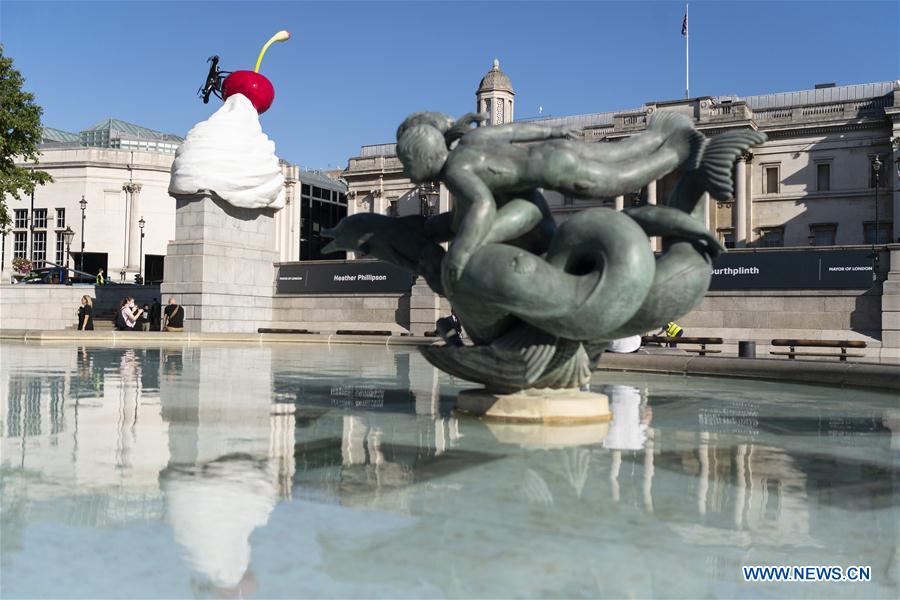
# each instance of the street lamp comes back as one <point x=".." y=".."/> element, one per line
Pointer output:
<point x="141" y="224"/>
<point x="83" y="204"/>
<point x="68" y="234"/>
<point x="876" y="166"/>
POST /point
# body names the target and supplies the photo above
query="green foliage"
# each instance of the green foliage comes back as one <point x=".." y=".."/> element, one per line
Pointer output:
<point x="20" y="134"/>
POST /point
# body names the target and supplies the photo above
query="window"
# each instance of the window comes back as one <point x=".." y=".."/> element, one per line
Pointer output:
<point x="21" y="219"/>
<point x="823" y="177"/>
<point x="822" y="234"/>
<point x="884" y="232"/>
<point x="19" y="242"/>
<point x="60" y="249"/>
<point x="771" y="237"/>
<point x="883" y="175"/>
<point x="38" y="248"/>
<point x="40" y="218"/>
<point x="60" y="218"/>
<point x="304" y="189"/>
<point x="726" y="236"/>
<point x="770" y="179"/>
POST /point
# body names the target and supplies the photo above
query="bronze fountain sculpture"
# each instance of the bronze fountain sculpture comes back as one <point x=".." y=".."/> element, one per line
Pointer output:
<point x="541" y="302"/>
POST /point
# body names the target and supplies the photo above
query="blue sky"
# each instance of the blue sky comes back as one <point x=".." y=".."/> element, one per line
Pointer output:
<point x="354" y="70"/>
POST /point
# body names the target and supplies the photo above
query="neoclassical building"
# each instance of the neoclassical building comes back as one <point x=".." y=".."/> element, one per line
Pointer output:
<point x="812" y="183"/>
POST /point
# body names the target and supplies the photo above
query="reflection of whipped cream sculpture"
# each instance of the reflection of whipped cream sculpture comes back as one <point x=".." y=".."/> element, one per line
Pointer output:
<point x="626" y="432"/>
<point x="228" y="154"/>
<point x="213" y="510"/>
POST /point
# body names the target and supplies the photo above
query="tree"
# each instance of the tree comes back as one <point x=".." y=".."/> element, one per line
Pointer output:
<point x="20" y="134"/>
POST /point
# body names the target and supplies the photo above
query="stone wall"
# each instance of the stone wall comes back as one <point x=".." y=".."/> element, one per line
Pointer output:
<point x="762" y="316"/>
<point x="414" y="312"/>
<point x="870" y="315"/>
<point x="55" y="307"/>
<point x="35" y="306"/>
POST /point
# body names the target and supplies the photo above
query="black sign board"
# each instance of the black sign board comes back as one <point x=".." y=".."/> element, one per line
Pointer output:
<point x="342" y="277"/>
<point x="793" y="270"/>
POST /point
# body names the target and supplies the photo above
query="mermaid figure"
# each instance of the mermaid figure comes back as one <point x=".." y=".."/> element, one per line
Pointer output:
<point x="541" y="302"/>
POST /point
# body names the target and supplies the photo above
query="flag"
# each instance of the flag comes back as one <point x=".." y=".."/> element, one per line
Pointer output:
<point x="684" y="26"/>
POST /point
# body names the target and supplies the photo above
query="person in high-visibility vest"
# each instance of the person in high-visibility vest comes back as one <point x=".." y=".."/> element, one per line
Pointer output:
<point x="671" y="329"/>
<point x="100" y="280"/>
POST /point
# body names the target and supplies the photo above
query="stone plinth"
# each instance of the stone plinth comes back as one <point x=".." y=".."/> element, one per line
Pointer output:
<point x="221" y="265"/>
<point x="425" y="308"/>
<point x="567" y="406"/>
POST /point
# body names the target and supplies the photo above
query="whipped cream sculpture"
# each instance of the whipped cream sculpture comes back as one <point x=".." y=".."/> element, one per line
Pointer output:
<point x="228" y="154"/>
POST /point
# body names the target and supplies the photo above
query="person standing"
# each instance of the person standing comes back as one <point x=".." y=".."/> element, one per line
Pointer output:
<point x="130" y="314"/>
<point x="100" y="279"/>
<point x="144" y="319"/>
<point x="86" y="314"/>
<point x="155" y="315"/>
<point x="173" y="317"/>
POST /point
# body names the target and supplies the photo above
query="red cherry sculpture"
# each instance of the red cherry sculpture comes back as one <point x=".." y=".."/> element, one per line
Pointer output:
<point x="254" y="86"/>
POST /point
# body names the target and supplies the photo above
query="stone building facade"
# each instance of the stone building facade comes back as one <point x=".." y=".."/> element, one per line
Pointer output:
<point x="811" y="183"/>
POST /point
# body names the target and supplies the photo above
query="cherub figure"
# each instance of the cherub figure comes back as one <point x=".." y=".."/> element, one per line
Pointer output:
<point x="491" y="166"/>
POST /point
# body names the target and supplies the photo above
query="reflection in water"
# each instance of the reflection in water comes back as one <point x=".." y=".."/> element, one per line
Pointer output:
<point x="296" y="471"/>
<point x="214" y="508"/>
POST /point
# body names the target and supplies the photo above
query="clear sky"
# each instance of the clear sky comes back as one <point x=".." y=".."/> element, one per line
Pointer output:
<point x="354" y="70"/>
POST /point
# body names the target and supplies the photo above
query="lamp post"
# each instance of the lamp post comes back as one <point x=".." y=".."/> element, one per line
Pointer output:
<point x="141" y="224"/>
<point x="68" y="234"/>
<point x="83" y="204"/>
<point x="876" y="166"/>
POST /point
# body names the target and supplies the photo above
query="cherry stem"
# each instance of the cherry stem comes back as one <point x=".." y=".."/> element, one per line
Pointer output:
<point x="281" y="36"/>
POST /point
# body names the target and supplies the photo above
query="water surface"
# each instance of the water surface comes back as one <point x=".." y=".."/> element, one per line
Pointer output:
<point x="312" y="471"/>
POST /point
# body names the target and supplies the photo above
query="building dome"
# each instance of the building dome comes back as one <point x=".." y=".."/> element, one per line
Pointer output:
<point x="495" y="80"/>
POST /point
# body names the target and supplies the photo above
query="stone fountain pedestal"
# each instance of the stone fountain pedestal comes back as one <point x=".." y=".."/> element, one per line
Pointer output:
<point x="220" y="267"/>
<point x="566" y="406"/>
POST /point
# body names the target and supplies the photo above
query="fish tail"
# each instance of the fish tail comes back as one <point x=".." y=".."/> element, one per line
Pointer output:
<point x="679" y="130"/>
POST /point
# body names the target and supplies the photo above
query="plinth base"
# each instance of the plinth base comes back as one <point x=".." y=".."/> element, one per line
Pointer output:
<point x="220" y="267"/>
<point x="546" y="436"/>
<point x="567" y="406"/>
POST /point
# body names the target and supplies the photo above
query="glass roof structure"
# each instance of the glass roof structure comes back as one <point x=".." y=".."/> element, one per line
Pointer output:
<point x="114" y="133"/>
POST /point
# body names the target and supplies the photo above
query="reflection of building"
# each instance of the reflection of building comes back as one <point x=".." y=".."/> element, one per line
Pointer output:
<point x="812" y="183"/>
<point x="93" y="430"/>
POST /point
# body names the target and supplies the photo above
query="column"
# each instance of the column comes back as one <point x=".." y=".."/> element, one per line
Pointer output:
<point x="707" y="200"/>
<point x="651" y="199"/>
<point x="294" y="229"/>
<point x="740" y="203"/>
<point x="895" y="177"/>
<point x="620" y="202"/>
<point x="133" y="208"/>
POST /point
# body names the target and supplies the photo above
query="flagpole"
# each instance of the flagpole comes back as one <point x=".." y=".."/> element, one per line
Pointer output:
<point x="687" y="60"/>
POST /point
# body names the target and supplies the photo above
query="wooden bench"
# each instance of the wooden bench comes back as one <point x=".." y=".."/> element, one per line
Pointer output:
<point x="701" y="341"/>
<point x="271" y="330"/>
<point x="793" y="344"/>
